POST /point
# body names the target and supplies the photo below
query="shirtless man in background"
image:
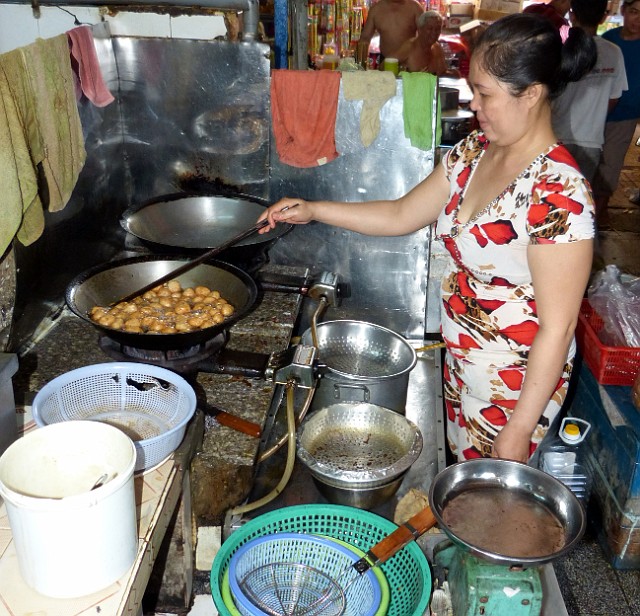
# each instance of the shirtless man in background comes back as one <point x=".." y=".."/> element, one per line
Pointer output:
<point x="394" y="21"/>
<point x="423" y="52"/>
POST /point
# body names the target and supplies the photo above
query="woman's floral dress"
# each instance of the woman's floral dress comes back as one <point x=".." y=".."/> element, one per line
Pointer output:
<point x="488" y="307"/>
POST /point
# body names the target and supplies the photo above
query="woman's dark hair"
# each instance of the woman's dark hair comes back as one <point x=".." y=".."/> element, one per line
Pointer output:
<point x="525" y="49"/>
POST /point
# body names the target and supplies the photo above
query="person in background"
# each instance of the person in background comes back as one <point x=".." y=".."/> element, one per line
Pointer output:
<point x="423" y="52"/>
<point x="394" y="21"/>
<point x="622" y="121"/>
<point x="515" y="216"/>
<point x="580" y="112"/>
<point x="555" y="11"/>
<point x="469" y="34"/>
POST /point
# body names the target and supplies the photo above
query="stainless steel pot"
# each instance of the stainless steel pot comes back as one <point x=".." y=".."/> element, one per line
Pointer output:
<point x="449" y="98"/>
<point x="358" y="454"/>
<point x="456" y="125"/>
<point x="362" y="362"/>
<point x="360" y="498"/>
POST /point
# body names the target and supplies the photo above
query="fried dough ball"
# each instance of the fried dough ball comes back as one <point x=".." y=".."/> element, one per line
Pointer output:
<point x="166" y="309"/>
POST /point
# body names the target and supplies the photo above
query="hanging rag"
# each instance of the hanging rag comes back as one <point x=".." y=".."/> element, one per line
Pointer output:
<point x="20" y="207"/>
<point x="303" y="111"/>
<point x="419" y="90"/>
<point x="63" y="154"/>
<point x="87" y="73"/>
<point x="41" y="142"/>
<point x="374" y="88"/>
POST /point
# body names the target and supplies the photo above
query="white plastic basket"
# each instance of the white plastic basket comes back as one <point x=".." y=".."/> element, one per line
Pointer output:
<point x="151" y="405"/>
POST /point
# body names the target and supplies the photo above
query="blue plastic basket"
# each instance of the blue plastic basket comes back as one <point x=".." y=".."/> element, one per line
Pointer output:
<point x="296" y="569"/>
<point x="407" y="573"/>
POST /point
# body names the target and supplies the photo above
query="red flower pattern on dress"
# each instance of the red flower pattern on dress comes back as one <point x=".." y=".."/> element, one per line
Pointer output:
<point x="451" y="412"/>
<point x="453" y="204"/>
<point x="471" y="453"/>
<point x="465" y="288"/>
<point x="562" y="155"/>
<point x="512" y="378"/>
<point x="457" y="305"/>
<point x="505" y="403"/>
<point x="498" y="281"/>
<point x="466" y="342"/>
<point x="494" y="415"/>
<point x="563" y="202"/>
<point x="522" y="333"/>
<point x="489" y="305"/>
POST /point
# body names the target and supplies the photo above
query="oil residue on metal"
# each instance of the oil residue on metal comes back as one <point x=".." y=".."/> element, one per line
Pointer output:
<point x="357" y="449"/>
<point x="505" y="522"/>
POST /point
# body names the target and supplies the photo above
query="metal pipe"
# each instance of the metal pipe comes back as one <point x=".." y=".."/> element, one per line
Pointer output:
<point x="250" y="8"/>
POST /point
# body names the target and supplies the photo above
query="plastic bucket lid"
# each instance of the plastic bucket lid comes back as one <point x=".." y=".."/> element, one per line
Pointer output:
<point x="71" y="539"/>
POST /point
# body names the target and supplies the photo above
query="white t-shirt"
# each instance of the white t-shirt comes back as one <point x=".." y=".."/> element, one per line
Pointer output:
<point x="579" y="114"/>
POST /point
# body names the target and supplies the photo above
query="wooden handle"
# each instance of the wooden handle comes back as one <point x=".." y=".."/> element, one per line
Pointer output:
<point x="417" y="525"/>
<point x="238" y="424"/>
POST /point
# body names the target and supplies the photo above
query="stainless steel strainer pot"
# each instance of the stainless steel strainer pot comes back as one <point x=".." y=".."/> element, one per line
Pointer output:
<point x="363" y="362"/>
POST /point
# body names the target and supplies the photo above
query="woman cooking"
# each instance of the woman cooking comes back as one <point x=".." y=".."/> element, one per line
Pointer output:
<point x="517" y="220"/>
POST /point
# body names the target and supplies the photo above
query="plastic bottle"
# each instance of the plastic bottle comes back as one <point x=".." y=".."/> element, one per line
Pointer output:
<point x="564" y="457"/>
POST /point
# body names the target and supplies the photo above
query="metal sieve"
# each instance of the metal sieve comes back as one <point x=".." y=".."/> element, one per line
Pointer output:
<point x="355" y="349"/>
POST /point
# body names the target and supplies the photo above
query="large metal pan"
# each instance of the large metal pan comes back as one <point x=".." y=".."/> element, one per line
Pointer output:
<point x="197" y="222"/>
<point x="490" y="491"/>
<point x="102" y="285"/>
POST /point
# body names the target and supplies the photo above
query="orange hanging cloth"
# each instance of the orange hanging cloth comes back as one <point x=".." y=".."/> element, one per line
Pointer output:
<point x="303" y="110"/>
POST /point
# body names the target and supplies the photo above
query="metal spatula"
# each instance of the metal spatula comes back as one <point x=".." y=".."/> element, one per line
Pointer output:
<point x="209" y="254"/>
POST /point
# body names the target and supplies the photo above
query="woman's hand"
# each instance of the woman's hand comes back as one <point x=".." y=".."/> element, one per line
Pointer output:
<point x="292" y="211"/>
<point x="512" y="442"/>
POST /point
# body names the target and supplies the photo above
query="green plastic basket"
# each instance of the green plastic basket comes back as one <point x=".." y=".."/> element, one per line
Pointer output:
<point x="407" y="573"/>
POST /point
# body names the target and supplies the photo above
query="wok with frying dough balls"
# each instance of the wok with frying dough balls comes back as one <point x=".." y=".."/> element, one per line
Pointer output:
<point x="105" y="284"/>
<point x="166" y="309"/>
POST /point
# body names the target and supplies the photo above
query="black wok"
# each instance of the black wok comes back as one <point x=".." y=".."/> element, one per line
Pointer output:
<point x="196" y="222"/>
<point x="106" y="283"/>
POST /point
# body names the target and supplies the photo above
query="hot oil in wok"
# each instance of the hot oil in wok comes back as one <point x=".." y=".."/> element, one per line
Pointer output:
<point x="504" y="522"/>
<point x="357" y="450"/>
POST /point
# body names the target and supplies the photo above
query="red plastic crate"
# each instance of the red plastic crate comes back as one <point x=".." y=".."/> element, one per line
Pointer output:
<point x="611" y="365"/>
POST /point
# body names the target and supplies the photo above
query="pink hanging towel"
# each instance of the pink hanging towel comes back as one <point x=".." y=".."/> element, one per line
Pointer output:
<point x="85" y="65"/>
<point x="303" y="109"/>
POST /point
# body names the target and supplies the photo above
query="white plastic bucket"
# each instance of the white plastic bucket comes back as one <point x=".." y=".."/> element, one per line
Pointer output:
<point x="71" y="540"/>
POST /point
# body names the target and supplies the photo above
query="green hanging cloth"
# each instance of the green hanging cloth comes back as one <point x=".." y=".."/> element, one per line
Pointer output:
<point x="418" y="92"/>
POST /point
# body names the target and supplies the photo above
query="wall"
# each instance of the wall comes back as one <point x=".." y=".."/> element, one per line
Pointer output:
<point x="19" y="27"/>
<point x="156" y="138"/>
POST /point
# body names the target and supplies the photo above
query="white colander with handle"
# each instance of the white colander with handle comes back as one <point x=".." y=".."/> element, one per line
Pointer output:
<point x="152" y="405"/>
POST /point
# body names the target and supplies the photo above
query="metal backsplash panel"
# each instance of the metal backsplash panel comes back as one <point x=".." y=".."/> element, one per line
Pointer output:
<point x="197" y="116"/>
<point x="388" y="275"/>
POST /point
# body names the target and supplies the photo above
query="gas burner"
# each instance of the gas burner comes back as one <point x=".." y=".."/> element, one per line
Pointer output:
<point x="179" y="360"/>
